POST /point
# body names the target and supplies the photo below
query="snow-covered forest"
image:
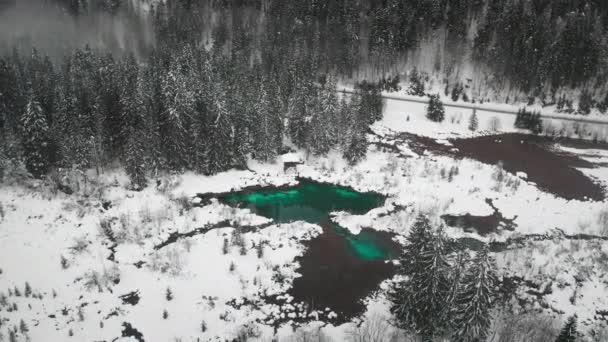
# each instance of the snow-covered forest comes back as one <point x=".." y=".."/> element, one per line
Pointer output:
<point x="303" y="170"/>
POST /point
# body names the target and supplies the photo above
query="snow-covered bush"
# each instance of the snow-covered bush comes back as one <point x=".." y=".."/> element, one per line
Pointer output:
<point x="80" y="245"/>
<point x="305" y="334"/>
<point x="376" y="328"/>
<point x="517" y="327"/>
<point x="247" y="331"/>
<point x="167" y="260"/>
<point x="93" y="280"/>
<point x="599" y="332"/>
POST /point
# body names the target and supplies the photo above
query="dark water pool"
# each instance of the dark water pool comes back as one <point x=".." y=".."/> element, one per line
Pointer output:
<point x="338" y="268"/>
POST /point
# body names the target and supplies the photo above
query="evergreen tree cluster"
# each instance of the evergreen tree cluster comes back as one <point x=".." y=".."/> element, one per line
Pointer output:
<point x="529" y="120"/>
<point x="443" y="294"/>
<point x="434" y="110"/>
<point x="188" y="108"/>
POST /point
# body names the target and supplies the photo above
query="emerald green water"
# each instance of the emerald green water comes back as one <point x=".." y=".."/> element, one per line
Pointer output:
<point x="312" y="202"/>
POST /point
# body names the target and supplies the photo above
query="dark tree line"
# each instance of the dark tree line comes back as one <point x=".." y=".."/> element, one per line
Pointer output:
<point x="538" y="45"/>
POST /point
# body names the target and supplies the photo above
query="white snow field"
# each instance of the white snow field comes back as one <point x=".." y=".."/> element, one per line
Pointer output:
<point x="61" y="245"/>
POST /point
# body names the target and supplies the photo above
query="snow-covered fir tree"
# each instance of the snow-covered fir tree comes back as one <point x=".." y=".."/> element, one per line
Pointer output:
<point x="475" y="299"/>
<point x="179" y="99"/>
<point x="330" y="109"/>
<point x="434" y="110"/>
<point x="473" y="121"/>
<point x="135" y="163"/>
<point x="569" y="332"/>
<point x="419" y="301"/>
<point x="300" y="114"/>
<point x="268" y="126"/>
<point x="220" y="135"/>
<point x="355" y="147"/>
<point x="36" y="143"/>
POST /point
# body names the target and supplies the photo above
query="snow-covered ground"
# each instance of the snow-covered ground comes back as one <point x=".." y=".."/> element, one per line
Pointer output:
<point x="80" y="253"/>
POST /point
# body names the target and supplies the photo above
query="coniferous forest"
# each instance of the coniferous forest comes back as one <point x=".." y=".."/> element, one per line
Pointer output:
<point x="262" y="70"/>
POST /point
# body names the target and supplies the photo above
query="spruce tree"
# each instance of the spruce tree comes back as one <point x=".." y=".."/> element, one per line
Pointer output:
<point x="300" y="112"/>
<point x="569" y="332"/>
<point x="330" y="110"/>
<point x="419" y="302"/>
<point x="473" y="121"/>
<point x="416" y="86"/>
<point x="35" y="139"/>
<point x="179" y="100"/>
<point x="267" y="127"/>
<point x="318" y="139"/>
<point x="219" y="136"/>
<point x="435" y="111"/>
<point x="474" y="301"/>
<point x="135" y="161"/>
<point x="356" y="144"/>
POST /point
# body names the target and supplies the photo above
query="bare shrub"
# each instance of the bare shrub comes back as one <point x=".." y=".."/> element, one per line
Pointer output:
<point x="184" y="203"/>
<point x="80" y="245"/>
<point x="167" y="260"/>
<point x="531" y="327"/>
<point x="247" y="331"/>
<point x="598" y="333"/>
<point x="602" y="221"/>
<point x="309" y="334"/>
<point x="494" y="124"/>
<point x="374" y="329"/>
<point x="93" y="280"/>
<point x="145" y="215"/>
<point x="125" y="220"/>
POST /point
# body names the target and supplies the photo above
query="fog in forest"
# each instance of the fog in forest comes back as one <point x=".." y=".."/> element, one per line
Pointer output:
<point x="52" y="30"/>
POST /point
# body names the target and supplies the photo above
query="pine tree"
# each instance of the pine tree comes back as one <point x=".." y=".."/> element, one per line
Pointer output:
<point x="135" y="160"/>
<point x="178" y="99"/>
<point x="475" y="299"/>
<point x="473" y="122"/>
<point x="300" y="112"/>
<point x="356" y="144"/>
<point x="521" y="118"/>
<point x="435" y="111"/>
<point x="569" y="332"/>
<point x="28" y="289"/>
<point x="330" y="110"/>
<point x="35" y="139"/>
<point x="416" y="86"/>
<point x="456" y="91"/>
<point x="585" y="102"/>
<point x="23" y="328"/>
<point x="220" y="135"/>
<point x="318" y="140"/>
<point x="268" y="127"/>
<point x="419" y="302"/>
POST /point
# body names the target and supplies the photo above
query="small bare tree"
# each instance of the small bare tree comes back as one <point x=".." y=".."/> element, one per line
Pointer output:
<point x="494" y="124"/>
<point x="374" y="329"/>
